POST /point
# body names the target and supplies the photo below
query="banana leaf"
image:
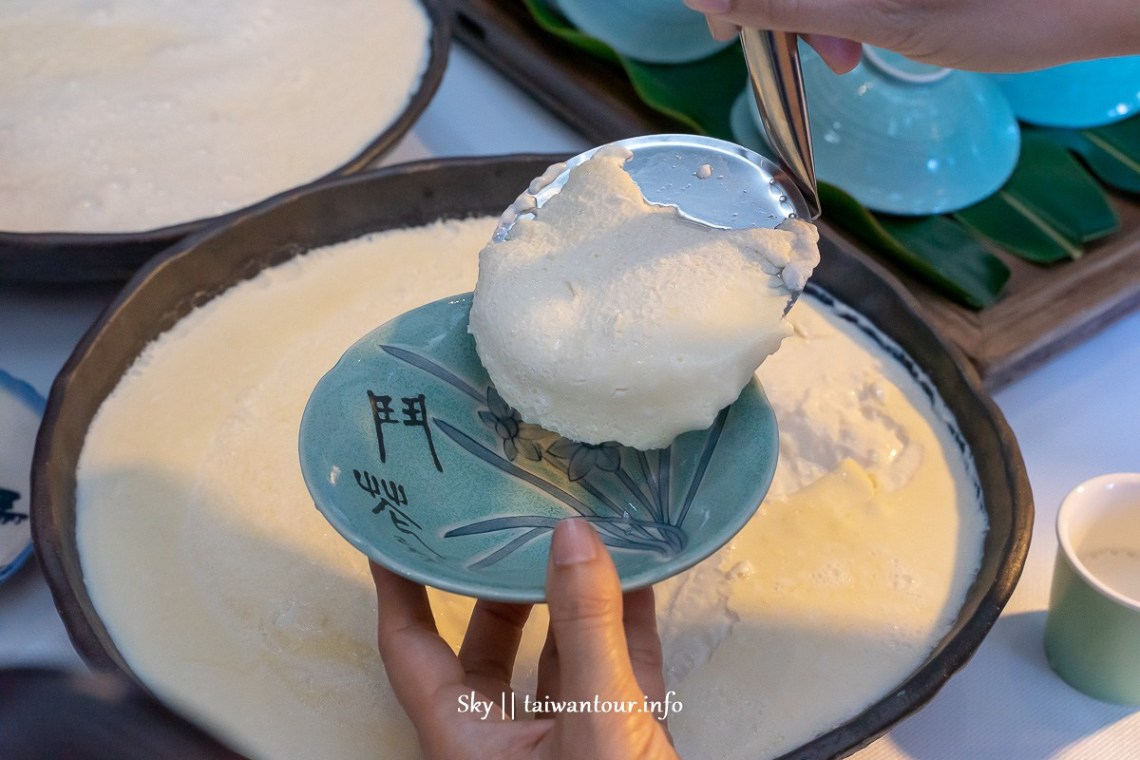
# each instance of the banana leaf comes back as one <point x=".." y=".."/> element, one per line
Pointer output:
<point x="1047" y="212"/>
<point x="719" y="78"/>
<point x="1112" y="152"/>
<point x="932" y="247"/>
<point x="1002" y="220"/>
<point x="1052" y="185"/>
<point x="666" y="88"/>
<point x="1049" y="208"/>
<point x="555" y="23"/>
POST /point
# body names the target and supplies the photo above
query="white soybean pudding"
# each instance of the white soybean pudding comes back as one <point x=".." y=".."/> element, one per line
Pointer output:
<point x="129" y="115"/>
<point x="233" y="598"/>
<point x="605" y="318"/>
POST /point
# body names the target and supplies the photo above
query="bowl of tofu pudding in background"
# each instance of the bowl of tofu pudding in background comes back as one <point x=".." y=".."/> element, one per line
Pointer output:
<point x="300" y="625"/>
<point x="189" y="114"/>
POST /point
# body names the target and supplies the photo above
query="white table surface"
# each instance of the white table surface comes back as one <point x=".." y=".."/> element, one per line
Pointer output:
<point x="1077" y="417"/>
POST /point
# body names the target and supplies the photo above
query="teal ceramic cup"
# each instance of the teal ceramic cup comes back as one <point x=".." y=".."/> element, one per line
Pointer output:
<point x="1075" y="95"/>
<point x="1092" y="633"/>
<point x="907" y="138"/>
<point x="653" y="31"/>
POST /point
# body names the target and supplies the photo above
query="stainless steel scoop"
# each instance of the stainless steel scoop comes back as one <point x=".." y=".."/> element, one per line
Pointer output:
<point x="749" y="189"/>
<point x="773" y="62"/>
<point x="714" y="182"/>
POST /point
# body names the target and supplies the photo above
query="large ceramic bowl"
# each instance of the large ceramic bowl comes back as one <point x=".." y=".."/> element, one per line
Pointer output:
<point x="200" y="268"/>
<point x="87" y="257"/>
<point x="905" y="137"/>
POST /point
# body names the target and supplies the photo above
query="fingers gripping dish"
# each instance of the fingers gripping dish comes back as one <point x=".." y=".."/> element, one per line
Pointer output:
<point x="605" y="317"/>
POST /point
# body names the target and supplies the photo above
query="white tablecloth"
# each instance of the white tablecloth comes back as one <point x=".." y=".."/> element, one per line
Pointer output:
<point x="1077" y="417"/>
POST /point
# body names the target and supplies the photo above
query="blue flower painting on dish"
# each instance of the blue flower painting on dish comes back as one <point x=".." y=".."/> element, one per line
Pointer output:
<point x="412" y="455"/>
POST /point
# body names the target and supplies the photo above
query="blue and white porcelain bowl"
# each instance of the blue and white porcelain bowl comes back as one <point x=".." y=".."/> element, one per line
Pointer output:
<point x="1075" y="95"/>
<point x="908" y="138"/>
<point x="20" y="411"/>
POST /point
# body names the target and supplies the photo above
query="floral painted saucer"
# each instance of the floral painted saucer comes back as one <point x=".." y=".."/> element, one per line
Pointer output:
<point x="411" y="454"/>
<point x="20" y="411"/>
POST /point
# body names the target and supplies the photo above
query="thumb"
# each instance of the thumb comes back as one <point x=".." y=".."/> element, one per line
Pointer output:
<point x="584" y="596"/>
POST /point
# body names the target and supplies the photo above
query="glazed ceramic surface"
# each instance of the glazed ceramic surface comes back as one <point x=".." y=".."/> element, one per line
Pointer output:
<point x="904" y="137"/>
<point x="412" y="455"/>
<point x="655" y="31"/>
<point x="1092" y="632"/>
<point x="1077" y="95"/>
<point x="20" y="410"/>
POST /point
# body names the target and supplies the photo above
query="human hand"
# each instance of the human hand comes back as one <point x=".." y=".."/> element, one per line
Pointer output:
<point x="979" y="35"/>
<point x="601" y="646"/>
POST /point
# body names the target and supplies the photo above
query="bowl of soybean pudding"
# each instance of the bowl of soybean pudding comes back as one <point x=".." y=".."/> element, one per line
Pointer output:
<point x="136" y="124"/>
<point x="230" y="597"/>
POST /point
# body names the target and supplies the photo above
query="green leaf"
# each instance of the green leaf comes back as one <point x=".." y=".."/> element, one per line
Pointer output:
<point x="555" y="23"/>
<point x="934" y="248"/>
<point x="1046" y="212"/>
<point x="1049" y="208"/>
<point x="1112" y="152"/>
<point x="699" y="94"/>
<point x="1055" y="191"/>
<point x="1006" y="224"/>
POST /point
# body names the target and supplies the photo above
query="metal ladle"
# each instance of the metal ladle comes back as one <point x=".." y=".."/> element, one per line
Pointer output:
<point x="753" y="191"/>
<point x="750" y="190"/>
<point x="773" y="62"/>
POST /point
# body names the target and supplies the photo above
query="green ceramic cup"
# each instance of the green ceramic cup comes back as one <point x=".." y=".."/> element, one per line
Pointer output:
<point x="1092" y="633"/>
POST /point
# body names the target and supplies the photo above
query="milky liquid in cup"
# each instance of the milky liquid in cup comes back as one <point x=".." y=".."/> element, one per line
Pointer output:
<point x="1117" y="568"/>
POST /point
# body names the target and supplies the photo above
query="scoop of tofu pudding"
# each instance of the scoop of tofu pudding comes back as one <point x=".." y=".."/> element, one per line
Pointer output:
<point x="603" y="317"/>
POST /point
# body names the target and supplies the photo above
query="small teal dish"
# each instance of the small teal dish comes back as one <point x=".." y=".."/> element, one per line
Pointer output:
<point x="20" y="411"/>
<point x="1076" y="95"/>
<point x="653" y="31"/>
<point x="411" y="454"/>
<point x="904" y="137"/>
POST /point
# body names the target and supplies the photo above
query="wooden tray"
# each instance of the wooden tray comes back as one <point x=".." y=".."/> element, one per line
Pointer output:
<point x="1044" y="310"/>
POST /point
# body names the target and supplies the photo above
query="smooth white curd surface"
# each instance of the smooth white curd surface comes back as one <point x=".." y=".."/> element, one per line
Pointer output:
<point x="233" y="598"/>
<point x="129" y="115"/>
